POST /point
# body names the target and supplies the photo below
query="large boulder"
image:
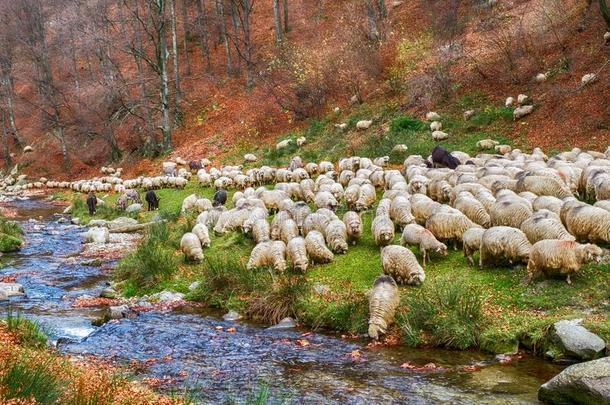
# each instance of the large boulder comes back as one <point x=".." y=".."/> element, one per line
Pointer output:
<point x="97" y="235"/>
<point x="134" y="208"/>
<point x="583" y="383"/>
<point x="10" y="289"/>
<point x="9" y="243"/>
<point x="118" y="312"/>
<point x="575" y="341"/>
<point x="167" y="296"/>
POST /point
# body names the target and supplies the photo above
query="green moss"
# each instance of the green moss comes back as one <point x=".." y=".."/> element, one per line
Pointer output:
<point x="9" y="243"/>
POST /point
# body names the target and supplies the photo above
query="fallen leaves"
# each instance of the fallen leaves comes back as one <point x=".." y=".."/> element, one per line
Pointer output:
<point x="302" y="342"/>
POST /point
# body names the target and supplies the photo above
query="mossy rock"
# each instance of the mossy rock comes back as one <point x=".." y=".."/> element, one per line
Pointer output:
<point x="9" y="243"/>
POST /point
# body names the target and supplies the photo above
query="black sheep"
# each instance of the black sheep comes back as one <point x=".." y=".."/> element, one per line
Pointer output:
<point x="195" y="165"/>
<point x="92" y="203"/>
<point x="442" y="157"/>
<point x="220" y="198"/>
<point x="152" y="200"/>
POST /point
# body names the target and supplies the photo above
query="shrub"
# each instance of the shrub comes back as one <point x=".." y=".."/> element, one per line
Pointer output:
<point x="405" y="123"/>
<point x="28" y="332"/>
<point x="447" y="313"/>
<point x="279" y="301"/>
<point x="10" y="227"/>
<point x="347" y="314"/>
<point x="151" y="263"/>
<point x="29" y="378"/>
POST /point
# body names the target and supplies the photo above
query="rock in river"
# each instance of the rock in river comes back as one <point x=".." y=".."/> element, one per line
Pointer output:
<point x="10" y="289"/>
<point x="583" y="383"/>
<point x="286" y="323"/>
<point x="231" y="316"/>
<point x="118" y="312"/>
<point x="576" y="341"/>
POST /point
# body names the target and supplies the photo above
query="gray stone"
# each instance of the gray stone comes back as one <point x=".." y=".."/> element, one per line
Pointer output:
<point x="121" y="222"/>
<point x="168" y="296"/>
<point x="75" y="221"/>
<point x="133" y="208"/>
<point x="118" y="312"/>
<point x="11" y="289"/>
<point x="194" y="285"/>
<point x="286" y="323"/>
<point x="231" y="316"/>
<point x="583" y="383"/>
<point x="97" y="235"/>
<point x="577" y="341"/>
<point x="100" y="223"/>
<point x="68" y="210"/>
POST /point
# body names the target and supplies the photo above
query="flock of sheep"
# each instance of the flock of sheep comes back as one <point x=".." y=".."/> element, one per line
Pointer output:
<point x="512" y="208"/>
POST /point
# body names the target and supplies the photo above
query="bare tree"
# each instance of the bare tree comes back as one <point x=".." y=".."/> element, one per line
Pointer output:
<point x="605" y="10"/>
<point x="241" y="14"/>
<point x="277" y="22"/>
<point x="7" y="87"/>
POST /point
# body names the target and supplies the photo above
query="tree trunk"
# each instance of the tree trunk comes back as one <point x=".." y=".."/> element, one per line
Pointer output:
<point x="235" y="25"/>
<point x="277" y="22"/>
<point x="247" y="9"/>
<point x="5" y="149"/>
<point x="185" y="36"/>
<point x="605" y="10"/>
<point x="220" y="11"/>
<point x="11" y="114"/>
<point x="203" y="34"/>
<point x="162" y="55"/>
<point x="286" y="26"/>
<point x="115" y="151"/>
<point x="58" y="133"/>
<point x="175" y="56"/>
<point x="150" y="140"/>
<point x="373" y="21"/>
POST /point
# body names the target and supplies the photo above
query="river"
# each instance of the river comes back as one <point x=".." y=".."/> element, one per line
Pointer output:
<point x="200" y="352"/>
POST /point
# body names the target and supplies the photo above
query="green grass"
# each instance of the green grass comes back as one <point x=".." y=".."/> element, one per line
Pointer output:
<point x="11" y="236"/>
<point x="28" y="378"/>
<point x="27" y="331"/>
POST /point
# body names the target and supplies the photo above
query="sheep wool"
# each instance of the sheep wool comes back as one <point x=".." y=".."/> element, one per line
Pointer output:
<point x="353" y="225"/>
<point x="553" y="257"/>
<point x="401" y="264"/>
<point x="297" y="254"/>
<point x="261" y="231"/>
<point x="417" y="235"/>
<point x="316" y="248"/>
<point x="191" y="247"/>
<point x="336" y="236"/>
<point x="383" y="230"/>
<point x="504" y="242"/>
<point x="201" y="231"/>
<point x="288" y="230"/>
<point x="383" y="301"/>
<point x="268" y="254"/>
<point x="471" y="242"/>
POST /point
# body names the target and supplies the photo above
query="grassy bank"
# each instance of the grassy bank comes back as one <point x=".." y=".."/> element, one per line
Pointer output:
<point x="31" y="372"/>
<point x="11" y="236"/>
<point x="457" y="307"/>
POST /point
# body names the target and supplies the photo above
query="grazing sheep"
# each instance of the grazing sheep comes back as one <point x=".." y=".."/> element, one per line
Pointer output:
<point x="336" y="236"/>
<point x="522" y="111"/>
<point x="449" y="226"/>
<point x="523" y="99"/>
<point x="353" y="225"/>
<point x="315" y="222"/>
<point x="509" y="213"/>
<point x="401" y="264"/>
<point x="231" y="220"/>
<point x="283" y="144"/>
<point x="540" y="77"/>
<point x="250" y="157"/>
<point x="543" y="185"/>
<point x="439" y="190"/>
<point x="436" y="126"/>
<point x="325" y="199"/>
<point x="272" y="198"/>
<point x="588" y="78"/>
<point x="473" y="209"/>
<point x="297" y="254"/>
<point x="509" y="102"/>
<point x="301" y="141"/>
<point x="503" y="149"/>
<point x="366" y="198"/>
<point x="255" y="214"/>
<point x="299" y="212"/>
<point x="432" y="116"/>
<point x="400" y="211"/>
<point x="544" y="224"/>
<point x="383" y="208"/>
<point x="276" y="223"/>
<point x="272" y="253"/>
<point x="383" y="301"/>
<point x="439" y="136"/>
<point x="547" y="202"/>
<point x="504" y="242"/>
<point x="471" y="242"/>
<point x="417" y="235"/>
<point x="442" y="157"/>
<point x="316" y="248"/>
<point x="261" y="231"/>
<point x="418" y="184"/>
<point x="191" y="247"/>
<point x="554" y="257"/>
<point x="585" y="222"/>
<point x="364" y="124"/>
<point x="201" y="231"/>
<point x="383" y="230"/>
<point x="487" y="144"/>
<point x="423" y="207"/>
<point x="288" y="230"/>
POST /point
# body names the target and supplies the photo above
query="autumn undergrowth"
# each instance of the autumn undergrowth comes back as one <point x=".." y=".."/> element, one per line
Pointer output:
<point x="28" y="332"/>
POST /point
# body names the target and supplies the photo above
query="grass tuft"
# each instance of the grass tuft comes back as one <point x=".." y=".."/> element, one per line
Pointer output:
<point x="29" y="378"/>
<point x="28" y="332"/>
<point x="279" y="301"/>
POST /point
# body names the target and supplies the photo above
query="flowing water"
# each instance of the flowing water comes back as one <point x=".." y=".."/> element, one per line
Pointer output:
<point x="188" y="350"/>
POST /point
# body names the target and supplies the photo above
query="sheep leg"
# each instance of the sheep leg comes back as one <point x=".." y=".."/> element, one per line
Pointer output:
<point x="568" y="280"/>
<point x="424" y="258"/>
<point x="481" y="258"/>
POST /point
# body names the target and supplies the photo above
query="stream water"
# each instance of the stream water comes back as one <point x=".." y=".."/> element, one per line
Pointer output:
<point x="189" y="351"/>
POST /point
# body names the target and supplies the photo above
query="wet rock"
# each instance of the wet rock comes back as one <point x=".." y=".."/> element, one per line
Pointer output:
<point x="118" y="312"/>
<point x="167" y="296"/>
<point x="583" y="383"/>
<point x="109" y="293"/>
<point x="75" y="221"/>
<point x="576" y="341"/>
<point x="62" y="220"/>
<point x="121" y="222"/>
<point x="232" y="316"/>
<point x="286" y="323"/>
<point x="92" y="263"/>
<point x="97" y="235"/>
<point x="98" y="223"/>
<point x="194" y="285"/>
<point x="11" y="289"/>
<point x="134" y="208"/>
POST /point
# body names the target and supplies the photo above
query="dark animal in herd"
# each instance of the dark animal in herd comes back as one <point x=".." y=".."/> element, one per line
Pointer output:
<point x="152" y="199"/>
<point x="92" y="203"/>
<point x="220" y="198"/>
<point x="195" y="165"/>
<point x="442" y="157"/>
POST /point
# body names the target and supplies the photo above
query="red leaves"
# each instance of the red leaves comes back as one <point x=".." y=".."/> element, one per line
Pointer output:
<point x="429" y="367"/>
<point x="302" y="342"/>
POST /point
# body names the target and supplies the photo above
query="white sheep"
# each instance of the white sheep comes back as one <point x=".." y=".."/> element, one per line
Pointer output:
<point x="297" y="254"/>
<point x="336" y="236"/>
<point x="364" y="124"/>
<point x="276" y="223"/>
<point x="383" y="230"/>
<point x="301" y="141"/>
<point x="417" y="235"/>
<point x="509" y="102"/>
<point x="400" y="211"/>
<point x="316" y="248"/>
<point x="486" y="144"/>
<point x="554" y="257"/>
<point x="522" y="111"/>
<point x="401" y="264"/>
<point x="268" y="254"/>
<point x="201" y="231"/>
<point x="504" y="242"/>
<point x="288" y="230"/>
<point x="283" y="144"/>
<point x="588" y="78"/>
<point x="250" y="157"/>
<point x="383" y="301"/>
<point x="353" y="225"/>
<point x="261" y="231"/>
<point x="191" y="247"/>
<point x="449" y="225"/>
<point x="439" y="136"/>
<point x="436" y="126"/>
<point x="325" y="199"/>
<point x="432" y="116"/>
<point x="315" y="222"/>
<point x="471" y="242"/>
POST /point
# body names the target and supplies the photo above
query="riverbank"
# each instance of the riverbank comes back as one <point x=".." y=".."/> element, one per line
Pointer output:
<point x="31" y="371"/>
<point x="458" y="307"/>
